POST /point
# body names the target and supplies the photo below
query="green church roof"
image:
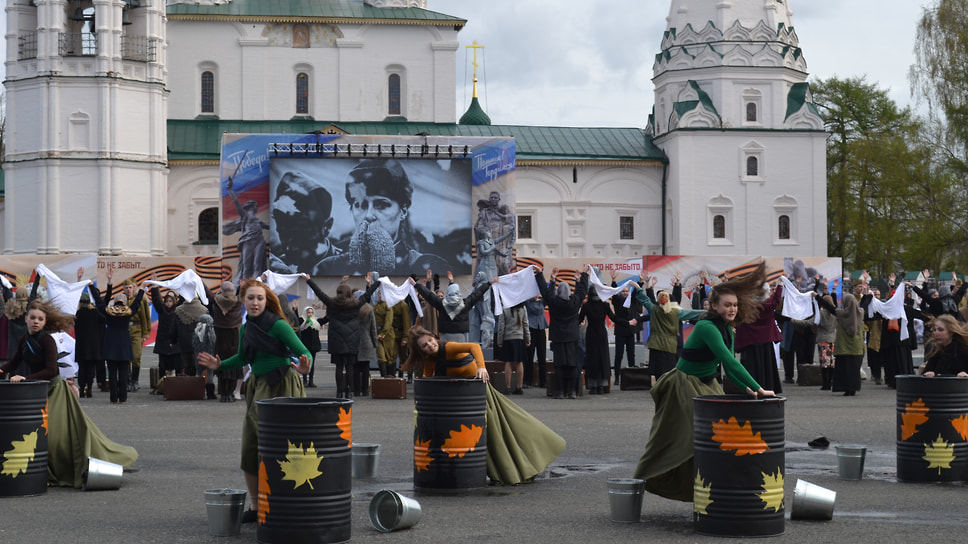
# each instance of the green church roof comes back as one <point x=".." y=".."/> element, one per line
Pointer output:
<point x="330" y="11"/>
<point x="201" y="139"/>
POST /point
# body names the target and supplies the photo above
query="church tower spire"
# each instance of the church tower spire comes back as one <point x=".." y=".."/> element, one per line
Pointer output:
<point x="475" y="114"/>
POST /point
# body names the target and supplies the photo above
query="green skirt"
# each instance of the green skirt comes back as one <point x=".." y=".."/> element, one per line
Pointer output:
<point x="257" y="388"/>
<point x="519" y="447"/>
<point x="72" y="438"/>
<point x="666" y="465"/>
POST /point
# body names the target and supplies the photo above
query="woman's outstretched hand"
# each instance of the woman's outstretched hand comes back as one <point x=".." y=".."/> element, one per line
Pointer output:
<point x="209" y="361"/>
<point x="303" y="366"/>
<point x="760" y="393"/>
<point x="483" y="375"/>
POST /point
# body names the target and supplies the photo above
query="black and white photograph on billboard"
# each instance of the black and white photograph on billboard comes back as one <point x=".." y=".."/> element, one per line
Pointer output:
<point x="335" y="216"/>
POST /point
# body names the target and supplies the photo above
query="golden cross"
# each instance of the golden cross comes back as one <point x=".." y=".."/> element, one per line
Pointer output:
<point x="475" y="47"/>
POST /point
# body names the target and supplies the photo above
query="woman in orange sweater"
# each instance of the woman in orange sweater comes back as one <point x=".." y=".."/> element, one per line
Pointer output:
<point x="434" y="357"/>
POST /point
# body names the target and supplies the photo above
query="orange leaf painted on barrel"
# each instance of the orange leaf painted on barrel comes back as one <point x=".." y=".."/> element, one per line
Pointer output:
<point x="264" y="492"/>
<point x="421" y="455"/>
<point x="733" y="436"/>
<point x="914" y="414"/>
<point x="462" y="441"/>
<point x="44" y="413"/>
<point x="961" y="425"/>
<point x="345" y="424"/>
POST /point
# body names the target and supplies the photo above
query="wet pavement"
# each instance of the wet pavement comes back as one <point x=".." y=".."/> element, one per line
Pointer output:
<point x="188" y="447"/>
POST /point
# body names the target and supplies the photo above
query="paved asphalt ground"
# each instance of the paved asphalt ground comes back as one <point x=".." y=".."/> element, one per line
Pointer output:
<point x="190" y="446"/>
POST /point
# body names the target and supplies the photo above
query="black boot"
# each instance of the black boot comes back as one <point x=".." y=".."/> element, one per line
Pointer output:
<point x="135" y="373"/>
<point x="825" y="374"/>
<point x="210" y="391"/>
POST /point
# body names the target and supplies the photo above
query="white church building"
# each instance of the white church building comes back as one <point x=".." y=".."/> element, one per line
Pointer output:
<point x="116" y="108"/>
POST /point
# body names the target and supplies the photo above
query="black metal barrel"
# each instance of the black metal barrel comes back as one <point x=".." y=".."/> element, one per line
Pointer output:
<point x="449" y="439"/>
<point x="739" y="466"/>
<point x="932" y="429"/>
<point x="23" y="438"/>
<point x="305" y="470"/>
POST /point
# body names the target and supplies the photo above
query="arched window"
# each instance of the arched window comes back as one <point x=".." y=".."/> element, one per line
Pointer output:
<point x="208" y="226"/>
<point x="752" y="166"/>
<point x="783" y="227"/>
<point x="208" y="92"/>
<point x="302" y="93"/>
<point x="751" y="111"/>
<point x="719" y="227"/>
<point x="393" y="88"/>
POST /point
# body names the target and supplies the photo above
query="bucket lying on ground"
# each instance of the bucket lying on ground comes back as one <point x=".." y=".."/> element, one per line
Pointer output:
<point x="810" y="501"/>
<point x="390" y="511"/>
<point x="850" y="461"/>
<point x="366" y="457"/>
<point x="625" y="499"/>
<point x="101" y="475"/>
<point x="224" y="508"/>
<point x="23" y="438"/>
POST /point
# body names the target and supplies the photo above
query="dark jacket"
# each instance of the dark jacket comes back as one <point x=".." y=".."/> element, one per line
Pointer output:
<point x="181" y="331"/>
<point x="344" y="322"/>
<point x="460" y="324"/>
<point x="165" y="316"/>
<point x="563" y="313"/>
<point x="310" y="336"/>
<point x="88" y="334"/>
<point x="117" y="338"/>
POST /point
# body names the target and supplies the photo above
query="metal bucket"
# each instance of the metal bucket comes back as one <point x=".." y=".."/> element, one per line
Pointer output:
<point x="932" y="425"/>
<point x="810" y="501"/>
<point x="390" y="511"/>
<point x="23" y="438"/>
<point x="101" y="475"/>
<point x="366" y="458"/>
<point x="305" y="470"/>
<point x="850" y="461"/>
<point x="739" y="462"/>
<point x="224" y="508"/>
<point x="449" y="439"/>
<point x="625" y="499"/>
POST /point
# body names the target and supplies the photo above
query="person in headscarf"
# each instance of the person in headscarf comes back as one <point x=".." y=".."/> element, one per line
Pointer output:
<point x="169" y="358"/>
<point x="563" y="309"/>
<point x="343" y="342"/>
<point x="366" y="352"/>
<point x="666" y="466"/>
<point x="848" y="344"/>
<point x="308" y="333"/>
<point x="453" y="320"/>
<point x="180" y="333"/>
<point x="226" y="309"/>
<point x="116" y="349"/>
<point x="89" y="335"/>
<point x="203" y="339"/>
<point x="597" y="367"/>
<point x="481" y="317"/>
<point x="665" y="317"/>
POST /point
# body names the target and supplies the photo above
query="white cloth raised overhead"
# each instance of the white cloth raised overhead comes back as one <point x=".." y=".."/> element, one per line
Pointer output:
<point x="605" y="292"/>
<point x="280" y="283"/>
<point x="513" y="289"/>
<point x="394" y="294"/>
<point x="188" y="284"/>
<point x="797" y="305"/>
<point x="65" y="296"/>
<point x="892" y="308"/>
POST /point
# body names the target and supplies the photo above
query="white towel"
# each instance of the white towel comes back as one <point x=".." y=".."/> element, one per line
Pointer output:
<point x="280" y="283"/>
<point x="513" y="289"/>
<point x="6" y="283"/>
<point x="893" y="308"/>
<point x="188" y="284"/>
<point x="797" y="305"/>
<point x="65" y="345"/>
<point x="394" y="294"/>
<point x="606" y="292"/>
<point x="65" y="296"/>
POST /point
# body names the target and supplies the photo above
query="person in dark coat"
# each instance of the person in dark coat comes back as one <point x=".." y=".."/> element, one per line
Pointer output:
<point x="181" y="331"/>
<point x="563" y="309"/>
<point x="116" y="348"/>
<point x="343" y="343"/>
<point x="628" y="323"/>
<point x="453" y="321"/>
<point x="169" y="359"/>
<point x="89" y="337"/>
<point x="15" y="311"/>
<point x="594" y="311"/>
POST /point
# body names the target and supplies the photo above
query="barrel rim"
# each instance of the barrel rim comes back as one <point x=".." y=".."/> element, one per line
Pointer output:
<point x="736" y="399"/>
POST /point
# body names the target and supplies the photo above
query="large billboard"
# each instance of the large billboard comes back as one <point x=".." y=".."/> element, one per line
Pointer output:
<point x="335" y="205"/>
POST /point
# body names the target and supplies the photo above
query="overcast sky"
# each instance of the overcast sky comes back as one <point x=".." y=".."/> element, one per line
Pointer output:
<point x="586" y="63"/>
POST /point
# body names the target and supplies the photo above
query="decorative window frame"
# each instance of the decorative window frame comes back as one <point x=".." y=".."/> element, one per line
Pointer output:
<point x="754" y="97"/>
<point x="310" y="76"/>
<point x="533" y="214"/>
<point x="757" y="151"/>
<point x="399" y="71"/>
<point x="720" y="205"/>
<point x="788" y="206"/>
<point x="202" y="69"/>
